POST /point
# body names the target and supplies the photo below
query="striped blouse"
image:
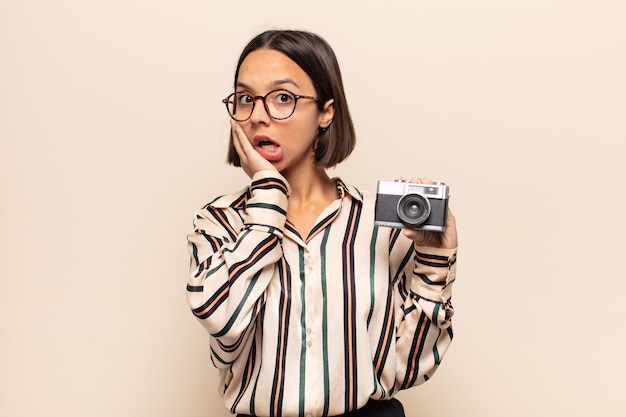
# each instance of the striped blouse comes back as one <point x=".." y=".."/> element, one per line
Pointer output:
<point x="315" y="325"/>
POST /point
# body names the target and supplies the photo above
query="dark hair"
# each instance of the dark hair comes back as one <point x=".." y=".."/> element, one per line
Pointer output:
<point x="317" y="59"/>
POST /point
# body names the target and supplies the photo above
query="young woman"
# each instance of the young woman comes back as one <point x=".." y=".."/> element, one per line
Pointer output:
<point x="312" y="310"/>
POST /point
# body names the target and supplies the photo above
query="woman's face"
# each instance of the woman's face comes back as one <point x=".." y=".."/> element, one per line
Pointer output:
<point x="287" y="143"/>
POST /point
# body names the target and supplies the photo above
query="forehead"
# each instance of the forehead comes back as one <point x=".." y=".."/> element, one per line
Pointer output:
<point x="267" y="68"/>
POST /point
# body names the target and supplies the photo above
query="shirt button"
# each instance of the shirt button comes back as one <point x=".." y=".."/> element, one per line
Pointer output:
<point x="309" y="344"/>
<point x="309" y="415"/>
<point x="308" y="330"/>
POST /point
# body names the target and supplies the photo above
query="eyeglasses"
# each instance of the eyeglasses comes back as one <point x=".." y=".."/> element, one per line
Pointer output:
<point x="279" y="104"/>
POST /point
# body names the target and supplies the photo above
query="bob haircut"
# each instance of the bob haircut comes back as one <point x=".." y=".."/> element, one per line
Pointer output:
<point x="317" y="59"/>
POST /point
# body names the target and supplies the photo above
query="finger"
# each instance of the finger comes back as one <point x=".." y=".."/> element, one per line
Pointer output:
<point x="410" y="233"/>
<point x="421" y="180"/>
<point x="422" y="238"/>
<point x="239" y="140"/>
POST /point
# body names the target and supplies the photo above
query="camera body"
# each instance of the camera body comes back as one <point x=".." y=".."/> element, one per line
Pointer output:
<point x="417" y="206"/>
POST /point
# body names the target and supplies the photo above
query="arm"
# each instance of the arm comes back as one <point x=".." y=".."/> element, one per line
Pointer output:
<point x="425" y="331"/>
<point x="233" y="257"/>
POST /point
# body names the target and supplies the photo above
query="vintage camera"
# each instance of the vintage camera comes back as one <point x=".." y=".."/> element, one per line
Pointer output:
<point x="412" y="205"/>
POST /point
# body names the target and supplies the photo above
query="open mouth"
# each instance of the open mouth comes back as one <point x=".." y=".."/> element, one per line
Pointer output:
<point x="267" y="148"/>
<point x="267" y="145"/>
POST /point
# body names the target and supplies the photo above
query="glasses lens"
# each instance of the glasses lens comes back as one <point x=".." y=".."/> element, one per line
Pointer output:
<point x="239" y="106"/>
<point x="280" y="104"/>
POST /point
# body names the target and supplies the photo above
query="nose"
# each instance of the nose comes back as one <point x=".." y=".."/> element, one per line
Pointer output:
<point x="259" y="112"/>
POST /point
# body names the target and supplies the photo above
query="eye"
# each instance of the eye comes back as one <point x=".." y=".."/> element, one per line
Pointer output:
<point x="283" y="97"/>
<point x="243" y="99"/>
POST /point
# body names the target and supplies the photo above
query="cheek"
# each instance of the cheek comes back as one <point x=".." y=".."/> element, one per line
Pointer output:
<point x="304" y="130"/>
<point x="300" y="137"/>
<point x="248" y="130"/>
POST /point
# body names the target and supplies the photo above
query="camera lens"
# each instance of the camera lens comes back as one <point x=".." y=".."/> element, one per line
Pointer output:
<point x="413" y="209"/>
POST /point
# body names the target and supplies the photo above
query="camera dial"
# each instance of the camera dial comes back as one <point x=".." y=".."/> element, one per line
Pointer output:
<point x="413" y="209"/>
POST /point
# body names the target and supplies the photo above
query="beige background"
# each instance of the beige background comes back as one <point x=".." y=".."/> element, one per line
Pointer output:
<point x="112" y="134"/>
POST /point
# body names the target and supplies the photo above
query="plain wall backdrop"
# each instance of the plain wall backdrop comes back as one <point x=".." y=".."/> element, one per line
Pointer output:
<point x="112" y="132"/>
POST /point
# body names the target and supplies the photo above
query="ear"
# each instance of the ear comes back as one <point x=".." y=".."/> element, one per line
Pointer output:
<point x="327" y="114"/>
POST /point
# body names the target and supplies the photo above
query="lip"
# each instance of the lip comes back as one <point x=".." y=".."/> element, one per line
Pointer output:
<point x="267" y="148"/>
<point x="258" y="139"/>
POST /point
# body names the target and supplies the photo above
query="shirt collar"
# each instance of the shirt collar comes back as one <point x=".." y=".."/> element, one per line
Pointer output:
<point x="348" y="189"/>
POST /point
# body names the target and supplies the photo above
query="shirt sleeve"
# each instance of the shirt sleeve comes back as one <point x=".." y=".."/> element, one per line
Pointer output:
<point x="424" y="328"/>
<point x="233" y="256"/>
<point x="431" y="286"/>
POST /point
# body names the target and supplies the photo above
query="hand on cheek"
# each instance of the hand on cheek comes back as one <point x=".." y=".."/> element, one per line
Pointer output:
<point x="251" y="161"/>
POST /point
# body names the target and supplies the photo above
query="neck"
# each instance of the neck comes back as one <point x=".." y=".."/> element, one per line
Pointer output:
<point x="310" y="185"/>
<point x="312" y="190"/>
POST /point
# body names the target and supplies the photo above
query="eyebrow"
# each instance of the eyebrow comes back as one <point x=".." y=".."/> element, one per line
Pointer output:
<point x="275" y="83"/>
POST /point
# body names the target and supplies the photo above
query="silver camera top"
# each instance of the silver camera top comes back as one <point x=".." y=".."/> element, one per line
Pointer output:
<point x="400" y="187"/>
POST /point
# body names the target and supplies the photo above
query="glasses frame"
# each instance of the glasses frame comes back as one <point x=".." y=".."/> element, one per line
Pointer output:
<point x="296" y="97"/>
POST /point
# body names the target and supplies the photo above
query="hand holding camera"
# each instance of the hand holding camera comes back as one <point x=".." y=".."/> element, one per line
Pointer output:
<point x="420" y="207"/>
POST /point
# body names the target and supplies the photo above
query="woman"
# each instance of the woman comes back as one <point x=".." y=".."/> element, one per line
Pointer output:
<point x="311" y="308"/>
